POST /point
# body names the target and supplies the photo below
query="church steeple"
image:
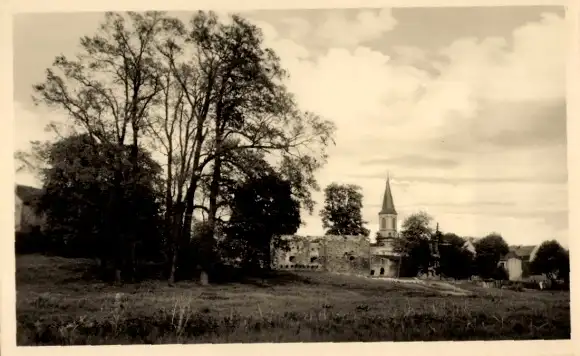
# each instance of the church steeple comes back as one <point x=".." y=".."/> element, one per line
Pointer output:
<point x="388" y="214"/>
<point x="388" y="204"/>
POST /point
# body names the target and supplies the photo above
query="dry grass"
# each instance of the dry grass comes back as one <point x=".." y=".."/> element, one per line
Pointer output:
<point x="56" y="305"/>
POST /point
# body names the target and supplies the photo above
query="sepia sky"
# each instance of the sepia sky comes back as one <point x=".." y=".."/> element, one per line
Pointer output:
<point x="464" y="107"/>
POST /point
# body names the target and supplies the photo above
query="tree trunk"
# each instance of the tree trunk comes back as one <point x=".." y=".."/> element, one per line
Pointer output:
<point x="114" y="235"/>
<point x="173" y="263"/>
<point x="191" y="190"/>
<point x="175" y="235"/>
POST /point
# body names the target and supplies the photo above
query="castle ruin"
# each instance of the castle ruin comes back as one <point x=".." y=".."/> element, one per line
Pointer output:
<point x="346" y="254"/>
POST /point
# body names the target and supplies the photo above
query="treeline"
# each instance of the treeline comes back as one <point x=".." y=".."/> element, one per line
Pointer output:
<point x="427" y="250"/>
<point x="186" y="147"/>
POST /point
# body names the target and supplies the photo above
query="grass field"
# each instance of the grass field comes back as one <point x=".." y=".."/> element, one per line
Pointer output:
<point x="57" y="306"/>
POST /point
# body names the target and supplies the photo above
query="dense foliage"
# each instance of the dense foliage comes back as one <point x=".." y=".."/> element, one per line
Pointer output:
<point x="82" y="204"/>
<point x="263" y="210"/>
<point x="551" y="260"/>
<point x="342" y="214"/>
<point x="489" y="251"/>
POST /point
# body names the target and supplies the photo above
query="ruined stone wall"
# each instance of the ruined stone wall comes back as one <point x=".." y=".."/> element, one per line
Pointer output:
<point x="346" y="254"/>
<point x="303" y="254"/>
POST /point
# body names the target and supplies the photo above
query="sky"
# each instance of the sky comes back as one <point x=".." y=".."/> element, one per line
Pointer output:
<point x="464" y="108"/>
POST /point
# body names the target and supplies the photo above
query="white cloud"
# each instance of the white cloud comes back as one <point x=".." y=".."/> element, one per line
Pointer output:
<point x="387" y="108"/>
<point x="368" y="25"/>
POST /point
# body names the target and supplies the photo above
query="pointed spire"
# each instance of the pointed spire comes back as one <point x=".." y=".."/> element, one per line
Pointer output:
<point x="388" y="205"/>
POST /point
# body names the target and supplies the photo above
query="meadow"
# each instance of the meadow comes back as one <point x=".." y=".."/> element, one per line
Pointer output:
<point x="59" y="304"/>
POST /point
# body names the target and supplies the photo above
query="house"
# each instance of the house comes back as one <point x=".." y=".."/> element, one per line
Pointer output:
<point x="26" y="217"/>
<point x="517" y="261"/>
<point x="469" y="244"/>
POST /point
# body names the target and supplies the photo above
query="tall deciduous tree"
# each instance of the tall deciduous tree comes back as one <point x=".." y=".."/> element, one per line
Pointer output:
<point x="551" y="260"/>
<point x="489" y="251"/>
<point x="414" y="243"/>
<point x="342" y="213"/>
<point x="456" y="261"/>
<point x="241" y="104"/>
<point x="263" y="209"/>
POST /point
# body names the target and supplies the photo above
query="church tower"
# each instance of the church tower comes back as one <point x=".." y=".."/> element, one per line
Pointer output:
<point x="388" y="215"/>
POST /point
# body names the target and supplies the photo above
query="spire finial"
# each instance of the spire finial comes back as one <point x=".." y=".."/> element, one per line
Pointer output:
<point x="388" y="205"/>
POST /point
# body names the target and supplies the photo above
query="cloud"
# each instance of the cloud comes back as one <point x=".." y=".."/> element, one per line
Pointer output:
<point x="412" y="161"/>
<point x="482" y="180"/>
<point x="486" y="116"/>
<point x="337" y="30"/>
<point x="485" y="93"/>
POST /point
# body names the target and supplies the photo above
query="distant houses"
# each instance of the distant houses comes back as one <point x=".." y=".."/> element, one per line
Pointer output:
<point x="517" y="261"/>
<point x="469" y="244"/>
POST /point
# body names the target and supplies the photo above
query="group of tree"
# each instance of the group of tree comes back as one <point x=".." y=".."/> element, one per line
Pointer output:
<point x="172" y="121"/>
<point x="424" y="248"/>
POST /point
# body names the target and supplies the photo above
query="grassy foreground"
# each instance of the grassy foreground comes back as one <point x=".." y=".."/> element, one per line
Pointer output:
<point x="57" y="306"/>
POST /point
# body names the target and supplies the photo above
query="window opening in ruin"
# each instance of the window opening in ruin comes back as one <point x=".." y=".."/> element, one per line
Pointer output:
<point x="382" y="271"/>
<point x="372" y="272"/>
<point x="287" y="266"/>
<point x="291" y="258"/>
<point x="313" y="259"/>
<point x="351" y="258"/>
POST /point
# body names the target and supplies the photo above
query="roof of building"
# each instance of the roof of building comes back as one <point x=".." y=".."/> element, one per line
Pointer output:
<point x="28" y="193"/>
<point x="388" y="204"/>
<point x="523" y="252"/>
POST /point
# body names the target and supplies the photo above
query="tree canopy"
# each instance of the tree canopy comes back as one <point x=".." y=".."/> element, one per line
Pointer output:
<point x="341" y="214"/>
<point x="78" y="186"/>
<point x="456" y="261"/>
<point x="263" y="210"/>
<point x="551" y="260"/>
<point x="415" y="243"/>
<point x="489" y="251"/>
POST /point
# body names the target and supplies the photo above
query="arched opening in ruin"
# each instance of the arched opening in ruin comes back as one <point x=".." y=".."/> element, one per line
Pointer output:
<point x="372" y="272"/>
<point x="291" y="258"/>
<point x="382" y="271"/>
<point x="351" y="258"/>
<point x="313" y="259"/>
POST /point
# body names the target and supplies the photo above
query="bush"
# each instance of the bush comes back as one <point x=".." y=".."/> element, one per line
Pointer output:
<point x="32" y="242"/>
